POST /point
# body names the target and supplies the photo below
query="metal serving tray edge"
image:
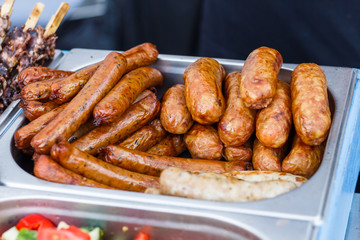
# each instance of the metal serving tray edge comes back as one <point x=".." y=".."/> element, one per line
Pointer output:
<point x="308" y="203"/>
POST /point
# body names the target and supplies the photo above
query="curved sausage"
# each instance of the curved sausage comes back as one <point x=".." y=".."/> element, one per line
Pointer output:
<point x="310" y="104"/>
<point x="259" y="77"/>
<point x="153" y="164"/>
<point x="105" y="173"/>
<point x="273" y="123"/>
<point x="38" y="90"/>
<point x="145" y="137"/>
<point x="115" y="103"/>
<point x="218" y="187"/>
<point x="34" y="109"/>
<point x="172" y="146"/>
<point x="35" y="74"/>
<point x="65" y="89"/>
<point x="24" y="134"/>
<point x="203" y="142"/>
<point x="203" y="91"/>
<point x="266" y="158"/>
<point x="238" y="122"/>
<point x="137" y="116"/>
<point x="80" y="108"/>
<point x="140" y="55"/>
<point x="174" y="115"/>
<point x="303" y="160"/>
<point x="47" y="169"/>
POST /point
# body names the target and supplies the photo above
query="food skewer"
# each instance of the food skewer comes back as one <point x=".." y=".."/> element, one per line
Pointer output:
<point x="6" y="10"/>
<point x="34" y="16"/>
<point x="56" y="19"/>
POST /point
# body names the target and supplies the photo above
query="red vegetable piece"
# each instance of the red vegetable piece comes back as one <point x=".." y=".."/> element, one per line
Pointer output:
<point x="62" y="234"/>
<point x="142" y="236"/>
<point x="34" y="222"/>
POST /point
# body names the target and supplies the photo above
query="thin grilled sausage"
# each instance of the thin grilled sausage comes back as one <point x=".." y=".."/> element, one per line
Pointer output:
<point x="137" y="116"/>
<point x="80" y="108"/>
<point x="238" y="122"/>
<point x="273" y="123"/>
<point x="310" y="104"/>
<point x="203" y="142"/>
<point x="115" y="103"/>
<point x="259" y="77"/>
<point x="65" y="89"/>
<point x="34" y="109"/>
<point x="105" y="173"/>
<point x="172" y="146"/>
<point x="153" y="164"/>
<point x="266" y="158"/>
<point x="203" y="90"/>
<point x="303" y="159"/>
<point x="47" y="169"/>
<point x="35" y="74"/>
<point x="174" y="115"/>
<point x="24" y="134"/>
<point x="145" y="137"/>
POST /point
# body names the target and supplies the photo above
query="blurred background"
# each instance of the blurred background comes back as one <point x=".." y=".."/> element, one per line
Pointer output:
<point x="322" y="31"/>
<point x="326" y="32"/>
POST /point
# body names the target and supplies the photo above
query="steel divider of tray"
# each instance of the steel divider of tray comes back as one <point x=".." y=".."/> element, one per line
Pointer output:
<point x="342" y="193"/>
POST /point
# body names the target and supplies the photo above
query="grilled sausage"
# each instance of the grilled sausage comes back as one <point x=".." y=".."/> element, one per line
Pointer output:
<point x="174" y="115"/>
<point x="38" y="90"/>
<point x="145" y="137"/>
<point x="218" y="187"/>
<point x="303" y="160"/>
<point x="238" y="122"/>
<point x="273" y="123"/>
<point x="310" y="104"/>
<point x="100" y="171"/>
<point x="140" y="55"/>
<point x="203" y="142"/>
<point x="153" y="164"/>
<point x="172" y="146"/>
<point x="79" y="109"/>
<point x="47" y="169"/>
<point x="261" y="176"/>
<point x="35" y="74"/>
<point x="65" y="89"/>
<point x="82" y="130"/>
<point x="115" y="103"/>
<point x="266" y="158"/>
<point x="34" y="109"/>
<point x="137" y="116"/>
<point x="243" y="153"/>
<point x="259" y="77"/>
<point x="24" y="134"/>
<point x="203" y="92"/>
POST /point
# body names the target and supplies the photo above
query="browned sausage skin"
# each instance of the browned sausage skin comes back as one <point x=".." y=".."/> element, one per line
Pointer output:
<point x="137" y="116"/>
<point x="259" y="77"/>
<point x="24" y="134"/>
<point x="140" y="55"/>
<point x="303" y="159"/>
<point x="145" y="137"/>
<point x="153" y="164"/>
<point x="100" y="171"/>
<point x="310" y="104"/>
<point x="203" y="142"/>
<point x="174" y="115"/>
<point x="47" y="169"/>
<point x="34" y="109"/>
<point x="243" y="153"/>
<point x="115" y="103"/>
<point x="203" y="90"/>
<point x="266" y="158"/>
<point x="172" y="146"/>
<point x="238" y="122"/>
<point x="80" y="108"/>
<point x="273" y="123"/>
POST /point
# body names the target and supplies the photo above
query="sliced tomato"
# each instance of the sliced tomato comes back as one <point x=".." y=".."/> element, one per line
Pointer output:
<point x="34" y="222"/>
<point x="61" y="234"/>
<point x="78" y="232"/>
<point x="142" y="236"/>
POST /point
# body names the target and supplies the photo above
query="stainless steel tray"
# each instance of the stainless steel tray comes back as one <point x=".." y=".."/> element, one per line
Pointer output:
<point x="302" y="210"/>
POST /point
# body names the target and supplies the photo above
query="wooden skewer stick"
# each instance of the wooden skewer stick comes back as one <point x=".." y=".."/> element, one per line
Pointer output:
<point x="56" y="19"/>
<point x="34" y="16"/>
<point x="6" y="8"/>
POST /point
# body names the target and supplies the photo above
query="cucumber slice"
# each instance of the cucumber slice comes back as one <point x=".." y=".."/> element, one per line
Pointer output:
<point x="10" y="234"/>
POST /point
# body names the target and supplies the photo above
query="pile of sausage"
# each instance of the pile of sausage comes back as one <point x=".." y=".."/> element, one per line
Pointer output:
<point x="103" y="126"/>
